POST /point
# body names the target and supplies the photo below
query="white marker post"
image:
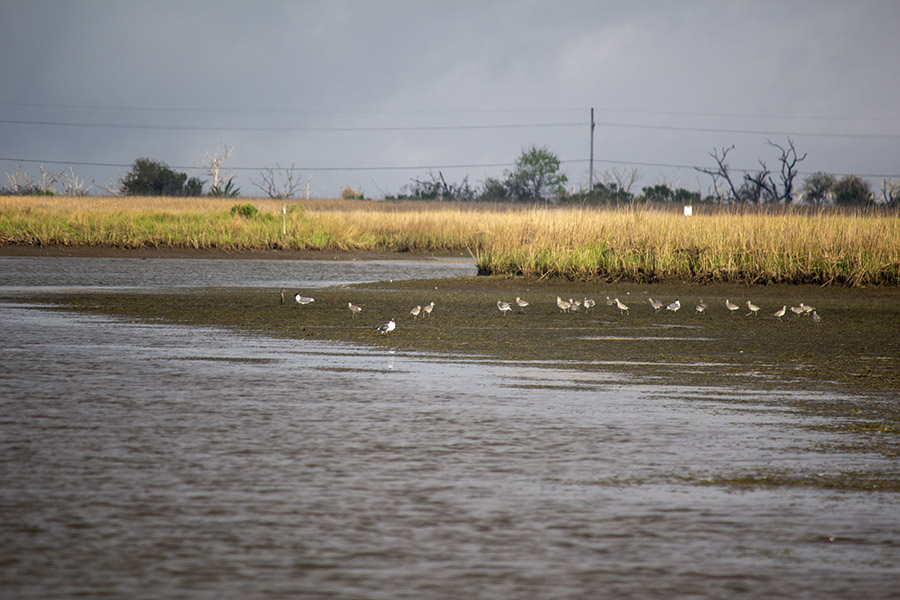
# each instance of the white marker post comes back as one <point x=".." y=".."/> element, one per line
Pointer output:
<point x="688" y="210"/>
<point x="283" y="220"/>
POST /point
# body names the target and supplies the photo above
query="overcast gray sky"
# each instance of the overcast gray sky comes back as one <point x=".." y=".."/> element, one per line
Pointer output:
<point x="373" y="94"/>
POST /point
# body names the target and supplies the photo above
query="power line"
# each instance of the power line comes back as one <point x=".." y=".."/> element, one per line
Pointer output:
<point x="611" y="161"/>
<point x="752" y="131"/>
<point x="358" y="129"/>
<point x="315" y="111"/>
<point x="283" y="128"/>
<point x="400" y="111"/>
<point x="196" y="168"/>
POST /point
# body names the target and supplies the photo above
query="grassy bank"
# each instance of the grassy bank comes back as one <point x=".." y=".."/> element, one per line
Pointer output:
<point x="824" y="247"/>
<point x="633" y="244"/>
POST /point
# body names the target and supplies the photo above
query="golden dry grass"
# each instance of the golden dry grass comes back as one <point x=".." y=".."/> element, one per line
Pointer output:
<point x="638" y="244"/>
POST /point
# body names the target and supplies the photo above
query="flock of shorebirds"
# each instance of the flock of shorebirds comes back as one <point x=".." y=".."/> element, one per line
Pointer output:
<point x="586" y="304"/>
<point x="355" y="309"/>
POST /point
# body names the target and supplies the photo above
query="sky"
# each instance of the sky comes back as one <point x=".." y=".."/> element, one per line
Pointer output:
<point x="375" y="94"/>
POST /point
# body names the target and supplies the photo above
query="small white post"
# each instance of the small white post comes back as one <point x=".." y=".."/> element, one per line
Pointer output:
<point x="283" y="220"/>
<point x="688" y="210"/>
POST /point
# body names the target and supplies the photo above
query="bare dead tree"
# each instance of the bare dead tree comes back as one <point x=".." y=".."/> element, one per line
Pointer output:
<point x="222" y="180"/>
<point x="721" y="173"/>
<point x="890" y="191"/>
<point x="21" y="182"/>
<point x="624" y="179"/>
<point x="759" y="187"/>
<point x="788" y="160"/>
<point x="279" y="183"/>
<point x="72" y="184"/>
<point x="113" y="187"/>
<point x="48" y="181"/>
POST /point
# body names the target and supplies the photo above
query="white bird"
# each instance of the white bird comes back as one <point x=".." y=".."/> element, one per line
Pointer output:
<point x="574" y="304"/>
<point x="610" y="301"/>
<point x="621" y="306"/>
<point x="798" y="310"/>
<point x="562" y="304"/>
<point x="521" y="303"/>
<point x="815" y="317"/>
<point x="780" y="313"/>
<point x="656" y="304"/>
<point x="754" y="309"/>
<point x="503" y="307"/>
<point x="806" y="308"/>
<point x="674" y="306"/>
<point x="354" y="309"/>
<point x="730" y="305"/>
<point x="428" y="308"/>
<point x="701" y="306"/>
<point x="589" y="303"/>
<point x="387" y="327"/>
<point x="415" y="311"/>
<point x="303" y="299"/>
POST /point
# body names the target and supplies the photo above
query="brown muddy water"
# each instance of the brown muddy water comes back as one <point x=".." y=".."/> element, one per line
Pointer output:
<point x="170" y="429"/>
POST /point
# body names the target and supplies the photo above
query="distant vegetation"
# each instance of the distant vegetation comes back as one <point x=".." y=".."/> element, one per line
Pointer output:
<point x="537" y="177"/>
<point x="640" y="243"/>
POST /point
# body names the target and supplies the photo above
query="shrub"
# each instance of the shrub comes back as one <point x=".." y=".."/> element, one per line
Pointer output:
<point x="852" y="190"/>
<point x="244" y="210"/>
<point x="349" y="193"/>
<point x="154" y="178"/>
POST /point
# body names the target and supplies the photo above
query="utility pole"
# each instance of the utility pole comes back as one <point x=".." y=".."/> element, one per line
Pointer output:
<point x="591" y="173"/>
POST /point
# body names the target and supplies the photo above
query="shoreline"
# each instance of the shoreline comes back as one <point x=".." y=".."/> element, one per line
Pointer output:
<point x="215" y="253"/>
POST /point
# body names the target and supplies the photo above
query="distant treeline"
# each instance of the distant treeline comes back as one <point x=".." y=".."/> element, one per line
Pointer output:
<point x="535" y="178"/>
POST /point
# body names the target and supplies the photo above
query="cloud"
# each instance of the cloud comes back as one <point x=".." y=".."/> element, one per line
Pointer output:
<point x="671" y="81"/>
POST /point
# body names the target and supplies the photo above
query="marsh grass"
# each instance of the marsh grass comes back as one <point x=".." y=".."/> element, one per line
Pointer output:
<point x="644" y="244"/>
<point x="726" y="246"/>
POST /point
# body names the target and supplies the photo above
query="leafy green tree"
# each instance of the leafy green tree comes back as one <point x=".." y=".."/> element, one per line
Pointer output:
<point x="817" y="187"/>
<point x="608" y="193"/>
<point x="852" y="190"/>
<point x="659" y="192"/>
<point x="536" y="176"/>
<point x="154" y="178"/>
<point x="494" y="190"/>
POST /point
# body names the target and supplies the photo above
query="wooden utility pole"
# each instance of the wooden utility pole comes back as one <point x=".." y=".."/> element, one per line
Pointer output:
<point x="591" y="172"/>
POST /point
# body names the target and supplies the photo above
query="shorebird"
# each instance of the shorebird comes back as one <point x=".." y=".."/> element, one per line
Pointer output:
<point x="574" y="304"/>
<point x="562" y="304"/>
<point x="589" y="303"/>
<point x="798" y="310"/>
<point x="503" y="307"/>
<point x="521" y="303"/>
<point x="354" y="309"/>
<point x="428" y="308"/>
<point x="730" y="305"/>
<point x="815" y="317"/>
<point x="303" y="299"/>
<point x="621" y="306"/>
<point x="701" y="306"/>
<point x="387" y="327"/>
<point x="754" y="309"/>
<point x="674" y="306"/>
<point x="806" y="308"/>
<point x="415" y="311"/>
<point x="656" y="304"/>
<point x="780" y="313"/>
<point x="610" y="301"/>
